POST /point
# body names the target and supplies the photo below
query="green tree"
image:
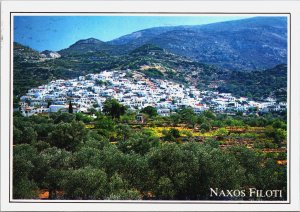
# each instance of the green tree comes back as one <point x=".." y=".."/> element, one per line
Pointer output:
<point x="62" y="117"/>
<point x="17" y="136"/>
<point x="43" y="130"/>
<point x="28" y="135"/>
<point x="205" y="127"/>
<point x="273" y="176"/>
<point x="105" y="126"/>
<point x="84" y="118"/>
<point x="165" y="189"/>
<point x="174" y="132"/>
<point x="217" y="123"/>
<point x="113" y="108"/>
<point x="221" y="133"/>
<point x="23" y="131"/>
<point x="68" y="135"/>
<point x="149" y="110"/>
<point x="25" y="189"/>
<point x="70" y="107"/>
<point x="174" y="119"/>
<point x="239" y="113"/>
<point x="278" y="135"/>
<point x="128" y="117"/>
<point x="177" y="167"/>
<point x="223" y="170"/>
<point x="279" y="124"/>
<point x="209" y="114"/>
<point x="86" y="156"/>
<point x="111" y="160"/>
<point x="25" y="160"/>
<point x="123" y="132"/>
<point x="119" y="189"/>
<point x="95" y="140"/>
<point x="171" y="135"/>
<point x="85" y="183"/>
<point x="250" y="161"/>
<point x="54" y="162"/>
<point x="188" y="116"/>
<point x="136" y="172"/>
<point x="41" y="145"/>
<point x="140" y="142"/>
<point x="92" y="110"/>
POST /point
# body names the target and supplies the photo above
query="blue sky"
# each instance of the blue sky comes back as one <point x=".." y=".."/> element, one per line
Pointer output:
<point x="58" y="32"/>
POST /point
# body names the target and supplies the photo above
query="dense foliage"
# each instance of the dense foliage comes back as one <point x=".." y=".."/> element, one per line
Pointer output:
<point x="258" y="84"/>
<point x="120" y="159"/>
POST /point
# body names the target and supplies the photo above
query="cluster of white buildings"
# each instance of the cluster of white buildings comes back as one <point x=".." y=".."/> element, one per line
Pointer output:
<point x="135" y="91"/>
<point x="226" y="103"/>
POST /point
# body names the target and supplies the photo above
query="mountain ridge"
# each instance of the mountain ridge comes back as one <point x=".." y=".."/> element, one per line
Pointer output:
<point x="246" y="44"/>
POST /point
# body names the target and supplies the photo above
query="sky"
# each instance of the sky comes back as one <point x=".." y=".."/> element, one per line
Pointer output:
<point x="59" y="32"/>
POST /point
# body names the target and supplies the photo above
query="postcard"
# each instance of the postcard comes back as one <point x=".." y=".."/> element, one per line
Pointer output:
<point x="150" y="105"/>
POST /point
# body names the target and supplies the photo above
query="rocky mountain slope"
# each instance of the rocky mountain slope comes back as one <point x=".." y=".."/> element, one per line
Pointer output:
<point x="247" y="44"/>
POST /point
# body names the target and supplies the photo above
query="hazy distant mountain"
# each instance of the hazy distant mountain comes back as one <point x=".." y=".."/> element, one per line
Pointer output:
<point x="247" y="44"/>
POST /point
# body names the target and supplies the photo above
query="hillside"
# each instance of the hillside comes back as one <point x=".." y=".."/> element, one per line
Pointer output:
<point x="257" y="84"/>
<point x="30" y="71"/>
<point x="23" y="54"/>
<point x="247" y="44"/>
<point x="27" y="70"/>
<point x="90" y="45"/>
<point x="147" y="58"/>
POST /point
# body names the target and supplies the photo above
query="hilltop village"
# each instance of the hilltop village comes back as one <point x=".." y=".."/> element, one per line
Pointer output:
<point x="135" y="91"/>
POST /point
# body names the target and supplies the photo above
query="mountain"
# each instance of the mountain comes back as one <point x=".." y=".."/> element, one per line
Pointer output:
<point x="139" y="38"/>
<point x="247" y="44"/>
<point x="149" y="59"/>
<point x="31" y="71"/>
<point x="26" y="69"/>
<point x="235" y="56"/>
<point x="90" y="45"/>
<point x="49" y="54"/>
<point x="154" y="61"/>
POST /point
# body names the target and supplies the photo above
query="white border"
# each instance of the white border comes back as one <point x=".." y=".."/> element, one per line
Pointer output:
<point x="292" y="7"/>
